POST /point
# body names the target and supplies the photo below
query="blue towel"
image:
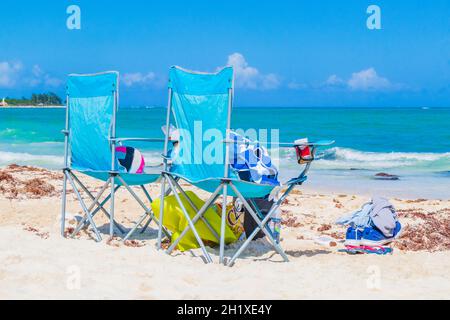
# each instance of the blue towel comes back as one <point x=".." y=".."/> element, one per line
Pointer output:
<point x="252" y="161"/>
<point x="379" y="212"/>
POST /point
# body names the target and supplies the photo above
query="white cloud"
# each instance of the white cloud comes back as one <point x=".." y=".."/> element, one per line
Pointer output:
<point x="364" y="80"/>
<point x="334" y="81"/>
<point x="39" y="77"/>
<point x="9" y="72"/>
<point x="270" y="81"/>
<point x="36" y="78"/>
<point x="138" y="78"/>
<point x="249" y="77"/>
<point x="368" y="79"/>
<point x="14" y="74"/>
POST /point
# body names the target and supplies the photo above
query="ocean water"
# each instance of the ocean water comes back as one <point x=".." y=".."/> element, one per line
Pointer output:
<point x="413" y="143"/>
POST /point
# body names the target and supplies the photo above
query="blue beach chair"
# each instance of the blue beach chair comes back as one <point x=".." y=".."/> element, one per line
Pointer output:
<point x="202" y="103"/>
<point x="90" y="148"/>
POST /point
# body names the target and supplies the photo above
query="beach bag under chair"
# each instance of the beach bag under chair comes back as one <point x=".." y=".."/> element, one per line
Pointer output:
<point x="92" y="149"/>
<point x="202" y="102"/>
<point x="176" y="222"/>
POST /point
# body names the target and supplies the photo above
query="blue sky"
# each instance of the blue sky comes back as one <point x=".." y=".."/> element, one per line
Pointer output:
<point x="285" y="53"/>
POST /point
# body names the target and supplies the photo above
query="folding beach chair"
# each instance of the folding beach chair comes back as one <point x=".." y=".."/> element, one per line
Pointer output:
<point x="90" y="148"/>
<point x="202" y="103"/>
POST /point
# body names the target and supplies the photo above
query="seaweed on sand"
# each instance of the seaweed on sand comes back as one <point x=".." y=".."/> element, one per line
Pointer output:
<point x="431" y="232"/>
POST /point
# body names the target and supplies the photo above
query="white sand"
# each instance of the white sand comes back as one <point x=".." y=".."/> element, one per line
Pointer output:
<point x="39" y="263"/>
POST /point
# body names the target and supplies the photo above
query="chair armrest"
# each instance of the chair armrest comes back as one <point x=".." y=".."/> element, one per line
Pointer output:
<point x="321" y="143"/>
<point x="313" y="145"/>
<point x="138" y="139"/>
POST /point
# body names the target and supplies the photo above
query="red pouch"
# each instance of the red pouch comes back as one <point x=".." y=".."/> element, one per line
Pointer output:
<point x="304" y="154"/>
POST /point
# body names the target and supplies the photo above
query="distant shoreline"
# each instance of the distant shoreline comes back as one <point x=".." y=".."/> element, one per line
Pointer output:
<point x="32" y="107"/>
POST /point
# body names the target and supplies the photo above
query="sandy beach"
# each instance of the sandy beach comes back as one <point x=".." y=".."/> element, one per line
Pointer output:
<point x="37" y="263"/>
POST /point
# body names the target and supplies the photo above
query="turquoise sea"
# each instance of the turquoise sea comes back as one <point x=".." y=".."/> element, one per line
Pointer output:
<point x="413" y="143"/>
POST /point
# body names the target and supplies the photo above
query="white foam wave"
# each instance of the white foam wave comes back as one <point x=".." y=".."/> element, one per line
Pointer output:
<point x="21" y="158"/>
<point x="346" y="158"/>
<point x="331" y="159"/>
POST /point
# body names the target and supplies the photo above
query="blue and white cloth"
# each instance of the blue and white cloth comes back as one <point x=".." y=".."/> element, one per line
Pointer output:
<point x="251" y="161"/>
<point x="379" y="212"/>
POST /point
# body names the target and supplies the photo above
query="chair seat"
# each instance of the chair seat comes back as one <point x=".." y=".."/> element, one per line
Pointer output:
<point x="247" y="189"/>
<point x="130" y="179"/>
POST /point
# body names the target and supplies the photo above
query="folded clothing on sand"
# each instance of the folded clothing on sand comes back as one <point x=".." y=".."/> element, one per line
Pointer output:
<point x="379" y="212"/>
<point x="375" y="224"/>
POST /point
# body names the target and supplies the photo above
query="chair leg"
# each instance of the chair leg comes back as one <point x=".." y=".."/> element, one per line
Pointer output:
<point x="83" y="206"/>
<point x="63" y="208"/>
<point x="111" y="220"/>
<point x="100" y="206"/>
<point x="146" y="225"/>
<point x="147" y="210"/>
<point x="160" y="224"/>
<point x="199" y="240"/>
<point x="200" y="213"/>
<point x="261" y="226"/>
<point x="147" y="194"/>
<point x="194" y="207"/>
<point x="142" y="218"/>
<point x="132" y="231"/>
<point x="258" y="212"/>
<point x="222" y="224"/>
<point x="161" y="211"/>
<point x="85" y="222"/>
<point x="152" y="217"/>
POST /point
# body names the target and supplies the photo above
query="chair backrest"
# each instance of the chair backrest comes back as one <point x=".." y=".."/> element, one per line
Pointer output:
<point x="92" y="106"/>
<point x="201" y="104"/>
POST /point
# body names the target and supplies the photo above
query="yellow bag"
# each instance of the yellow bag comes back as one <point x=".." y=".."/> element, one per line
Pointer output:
<point x="175" y="221"/>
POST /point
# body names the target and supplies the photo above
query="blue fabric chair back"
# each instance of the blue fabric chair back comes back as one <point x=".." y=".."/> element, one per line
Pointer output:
<point x="91" y="102"/>
<point x="200" y="107"/>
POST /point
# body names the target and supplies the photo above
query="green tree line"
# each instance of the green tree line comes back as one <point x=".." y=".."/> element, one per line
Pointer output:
<point x="46" y="99"/>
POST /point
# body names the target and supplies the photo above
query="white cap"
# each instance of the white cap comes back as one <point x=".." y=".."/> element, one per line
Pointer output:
<point x="301" y="142"/>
